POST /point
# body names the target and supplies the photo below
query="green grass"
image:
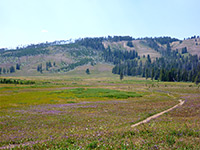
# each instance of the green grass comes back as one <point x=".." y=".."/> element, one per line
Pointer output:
<point x="35" y="96"/>
<point x="96" y="93"/>
<point x="96" y="113"/>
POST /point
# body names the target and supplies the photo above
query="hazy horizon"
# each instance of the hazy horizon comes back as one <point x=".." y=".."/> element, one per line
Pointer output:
<point x="30" y="22"/>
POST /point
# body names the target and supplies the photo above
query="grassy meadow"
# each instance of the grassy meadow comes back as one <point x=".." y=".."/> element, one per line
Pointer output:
<point x="96" y="111"/>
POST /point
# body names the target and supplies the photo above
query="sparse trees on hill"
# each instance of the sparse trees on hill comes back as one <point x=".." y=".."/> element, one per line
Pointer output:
<point x="4" y="70"/>
<point x="184" y="50"/>
<point x="12" y="69"/>
<point x="130" y="44"/>
<point x="76" y="64"/>
<point x="18" y="66"/>
<point x="48" y="65"/>
<point x="87" y="71"/>
<point x="39" y="68"/>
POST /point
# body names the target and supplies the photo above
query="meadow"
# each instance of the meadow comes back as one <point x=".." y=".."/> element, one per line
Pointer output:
<point x="96" y="112"/>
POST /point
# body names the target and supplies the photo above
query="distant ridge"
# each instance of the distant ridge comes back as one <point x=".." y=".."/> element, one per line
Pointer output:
<point x="144" y="57"/>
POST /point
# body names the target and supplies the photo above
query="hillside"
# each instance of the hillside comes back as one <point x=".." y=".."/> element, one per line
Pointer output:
<point x="60" y="57"/>
<point x="139" y="47"/>
<point x="193" y="45"/>
<point x="144" y="57"/>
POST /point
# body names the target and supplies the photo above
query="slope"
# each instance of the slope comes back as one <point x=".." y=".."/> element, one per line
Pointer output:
<point x="142" y="49"/>
<point x="47" y="58"/>
<point x="193" y="46"/>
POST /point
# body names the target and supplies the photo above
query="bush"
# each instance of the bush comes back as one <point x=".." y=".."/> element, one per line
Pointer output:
<point x="15" y="81"/>
<point x="92" y="145"/>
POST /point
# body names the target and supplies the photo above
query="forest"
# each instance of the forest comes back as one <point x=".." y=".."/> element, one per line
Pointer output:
<point x="173" y="65"/>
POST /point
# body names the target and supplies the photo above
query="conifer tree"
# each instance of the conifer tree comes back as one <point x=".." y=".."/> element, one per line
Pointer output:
<point x="39" y="68"/>
<point x="121" y="75"/>
<point x="87" y="71"/>
<point x="146" y="73"/>
<point x="17" y="66"/>
<point x="197" y="79"/>
<point x="4" y="70"/>
<point x="12" y="69"/>
<point x="152" y="74"/>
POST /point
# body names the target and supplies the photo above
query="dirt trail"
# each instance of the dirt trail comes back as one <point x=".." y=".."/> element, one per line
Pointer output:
<point x="134" y="125"/>
<point x="157" y="115"/>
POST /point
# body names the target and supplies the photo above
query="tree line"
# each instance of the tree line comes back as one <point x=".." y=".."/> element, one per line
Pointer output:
<point x="11" y="69"/>
<point x="49" y="64"/>
<point x="172" y="66"/>
<point x="117" y="56"/>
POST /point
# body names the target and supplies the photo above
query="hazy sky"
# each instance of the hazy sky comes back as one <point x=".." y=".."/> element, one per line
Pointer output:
<point x="34" y="21"/>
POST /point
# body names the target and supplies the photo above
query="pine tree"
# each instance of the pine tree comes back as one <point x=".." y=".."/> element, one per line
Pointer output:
<point x="121" y="75"/>
<point x="179" y="75"/>
<point x="50" y="65"/>
<point x="39" y="68"/>
<point x="168" y="49"/>
<point x="87" y="71"/>
<point x="4" y="70"/>
<point x="185" y="75"/>
<point x="152" y="74"/>
<point x="184" y="50"/>
<point x="146" y="73"/>
<point x="47" y="66"/>
<point x="197" y="79"/>
<point x="17" y="66"/>
<point x="12" y="69"/>
<point x="148" y="58"/>
<point x="130" y="44"/>
<point x="162" y="77"/>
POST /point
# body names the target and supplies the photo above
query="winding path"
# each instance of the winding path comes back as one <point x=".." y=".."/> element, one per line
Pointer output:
<point x="181" y="102"/>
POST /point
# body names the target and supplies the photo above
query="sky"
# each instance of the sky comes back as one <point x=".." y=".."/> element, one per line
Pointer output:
<point x="25" y="22"/>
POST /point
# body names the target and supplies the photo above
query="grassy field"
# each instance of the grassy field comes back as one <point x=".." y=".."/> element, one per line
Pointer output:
<point x="70" y="111"/>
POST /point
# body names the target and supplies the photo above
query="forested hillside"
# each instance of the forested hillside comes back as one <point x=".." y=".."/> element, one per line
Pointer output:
<point x="161" y="58"/>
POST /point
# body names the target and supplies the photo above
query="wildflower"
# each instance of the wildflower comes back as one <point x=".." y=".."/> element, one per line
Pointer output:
<point x="155" y="147"/>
